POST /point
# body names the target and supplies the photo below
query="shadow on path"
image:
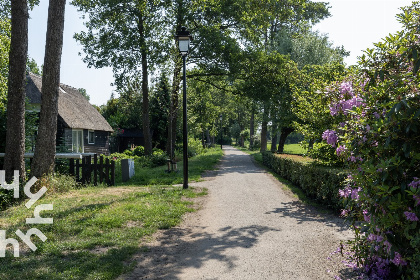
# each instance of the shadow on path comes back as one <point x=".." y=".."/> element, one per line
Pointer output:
<point x="304" y="213"/>
<point x="163" y="260"/>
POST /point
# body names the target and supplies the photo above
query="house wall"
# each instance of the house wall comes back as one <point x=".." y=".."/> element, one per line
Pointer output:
<point x="63" y="139"/>
<point x="101" y="145"/>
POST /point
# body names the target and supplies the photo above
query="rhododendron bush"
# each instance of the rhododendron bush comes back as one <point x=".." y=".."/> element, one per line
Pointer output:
<point x="377" y="131"/>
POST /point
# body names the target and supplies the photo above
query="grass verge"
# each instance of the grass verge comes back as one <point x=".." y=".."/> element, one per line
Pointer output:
<point x="96" y="230"/>
<point x="196" y="166"/>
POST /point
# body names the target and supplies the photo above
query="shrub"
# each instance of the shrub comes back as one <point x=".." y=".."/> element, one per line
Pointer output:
<point x="6" y="199"/>
<point x="318" y="182"/>
<point x="194" y="147"/>
<point x="128" y="152"/>
<point x="158" y="158"/>
<point x="256" y="142"/>
<point x="56" y="183"/>
<point x="378" y="114"/>
<point x="138" y="151"/>
<point x="325" y="153"/>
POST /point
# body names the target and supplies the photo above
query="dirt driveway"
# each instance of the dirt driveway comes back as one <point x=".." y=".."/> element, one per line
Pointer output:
<point x="248" y="228"/>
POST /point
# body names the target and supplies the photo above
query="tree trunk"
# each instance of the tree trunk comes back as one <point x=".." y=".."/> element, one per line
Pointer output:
<point x="274" y="137"/>
<point x="251" y="127"/>
<point x="44" y="157"/>
<point x="145" y="89"/>
<point x="173" y="111"/>
<point x="285" y="131"/>
<point x="311" y="144"/>
<point x="176" y="81"/>
<point x="264" y="129"/>
<point x="15" y="135"/>
<point x="208" y="135"/>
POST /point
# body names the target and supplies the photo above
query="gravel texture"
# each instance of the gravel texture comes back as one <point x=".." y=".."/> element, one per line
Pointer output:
<point x="248" y="228"/>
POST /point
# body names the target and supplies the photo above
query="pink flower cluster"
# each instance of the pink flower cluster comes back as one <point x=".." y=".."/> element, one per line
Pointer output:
<point x="411" y="216"/>
<point x="348" y="100"/>
<point x="415" y="183"/>
<point x="340" y="150"/>
<point x="350" y="192"/>
<point x="330" y="136"/>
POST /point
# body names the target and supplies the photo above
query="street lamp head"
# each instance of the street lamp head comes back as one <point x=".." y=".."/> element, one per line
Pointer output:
<point x="183" y="38"/>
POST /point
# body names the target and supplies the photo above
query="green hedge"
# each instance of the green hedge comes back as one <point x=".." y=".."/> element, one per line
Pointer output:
<point x="318" y="182"/>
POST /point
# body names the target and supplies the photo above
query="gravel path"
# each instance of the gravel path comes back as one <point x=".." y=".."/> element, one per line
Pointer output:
<point x="248" y="228"/>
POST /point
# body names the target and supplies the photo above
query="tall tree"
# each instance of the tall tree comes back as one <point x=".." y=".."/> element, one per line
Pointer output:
<point x="44" y="157"/>
<point x="15" y="136"/>
<point x="130" y="37"/>
<point x="159" y="112"/>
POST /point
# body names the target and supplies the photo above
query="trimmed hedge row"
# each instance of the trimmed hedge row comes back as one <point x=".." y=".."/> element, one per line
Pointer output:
<point x="318" y="182"/>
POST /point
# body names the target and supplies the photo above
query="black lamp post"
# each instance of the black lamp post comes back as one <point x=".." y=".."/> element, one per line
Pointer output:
<point x="221" y="132"/>
<point x="183" y="38"/>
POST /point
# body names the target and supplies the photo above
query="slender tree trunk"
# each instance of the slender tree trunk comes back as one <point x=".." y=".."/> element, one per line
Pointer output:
<point x="251" y="127"/>
<point x="44" y="157"/>
<point x="173" y="111"/>
<point x="145" y="89"/>
<point x="15" y="135"/>
<point x="273" y="137"/>
<point x="176" y="81"/>
<point x="311" y="144"/>
<point x="285" y="131"/>
<point x="208" y="135"/>
<point x="264" y="128"/>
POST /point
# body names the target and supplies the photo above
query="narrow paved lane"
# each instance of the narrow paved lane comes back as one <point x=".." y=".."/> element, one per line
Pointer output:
<point x="249" y="228"/>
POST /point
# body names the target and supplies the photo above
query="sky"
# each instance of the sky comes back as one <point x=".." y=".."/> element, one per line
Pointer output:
<point x="355" y="24"/>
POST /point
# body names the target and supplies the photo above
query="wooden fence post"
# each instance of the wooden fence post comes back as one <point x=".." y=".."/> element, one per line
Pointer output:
<point x="101" y="170"/>
<point x="95" y="169"/>
<point x="88" y="169"/>
<point x="112" y="173"/>
<point x="77" y="171"/>
<point x="107" y="171"/>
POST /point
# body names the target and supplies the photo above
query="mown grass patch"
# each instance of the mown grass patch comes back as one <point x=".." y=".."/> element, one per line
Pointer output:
<point x="294" y="149"/>
<point x="95" y="230"/>
<point x="196" y="166"/>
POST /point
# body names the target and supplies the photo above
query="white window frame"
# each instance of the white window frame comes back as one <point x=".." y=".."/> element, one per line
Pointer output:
<point x="75" y="141"/>
<point x="93" y="139"/>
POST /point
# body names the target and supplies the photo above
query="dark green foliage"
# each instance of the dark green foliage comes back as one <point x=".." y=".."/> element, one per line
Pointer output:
<point x="138" y="151"/>
<point x="6" y="199"/>
<point x="326" y="154"/>
<point x="318" y="182"/>
<point x="294" y="138"/>
<point x="158" y="158"/>
<point x="159" y="112"/>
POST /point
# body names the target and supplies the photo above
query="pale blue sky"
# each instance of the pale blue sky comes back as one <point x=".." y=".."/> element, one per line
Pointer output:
<point x="355" y="24"/>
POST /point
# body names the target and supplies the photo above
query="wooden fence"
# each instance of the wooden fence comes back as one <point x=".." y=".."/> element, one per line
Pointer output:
<point x="89" y="170"/>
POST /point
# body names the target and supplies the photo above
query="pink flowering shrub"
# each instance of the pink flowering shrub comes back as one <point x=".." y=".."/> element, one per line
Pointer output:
<point x="378" y="133"/>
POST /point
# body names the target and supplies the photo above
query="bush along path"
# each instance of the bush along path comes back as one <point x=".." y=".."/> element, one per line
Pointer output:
<point x="248" y="228"/>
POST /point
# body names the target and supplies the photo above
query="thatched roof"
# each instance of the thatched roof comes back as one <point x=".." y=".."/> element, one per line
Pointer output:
<point x="73" y="107"/>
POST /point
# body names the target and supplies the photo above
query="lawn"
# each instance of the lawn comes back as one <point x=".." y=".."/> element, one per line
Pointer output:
<point x="295" y="149"/>
<point x="96" y="230"/>
<point x="196" y="166"/>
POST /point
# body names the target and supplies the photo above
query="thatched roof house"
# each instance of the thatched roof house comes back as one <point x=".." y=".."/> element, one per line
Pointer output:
<point x="81" y="128"/>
